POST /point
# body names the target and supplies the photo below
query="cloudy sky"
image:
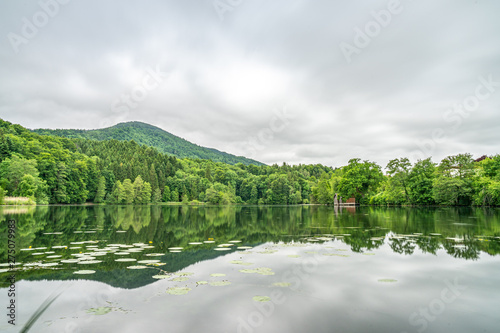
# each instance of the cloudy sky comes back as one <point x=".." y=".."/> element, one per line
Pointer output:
<point x="277" y="80"/>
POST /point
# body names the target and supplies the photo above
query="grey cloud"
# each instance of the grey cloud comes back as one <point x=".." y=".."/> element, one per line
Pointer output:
<point x="225" y="78"/>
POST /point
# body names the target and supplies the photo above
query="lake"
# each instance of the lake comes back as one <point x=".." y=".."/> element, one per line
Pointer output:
<point x="252" y="269"/>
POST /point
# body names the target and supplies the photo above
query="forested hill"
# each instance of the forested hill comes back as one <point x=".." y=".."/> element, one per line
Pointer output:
<point x="148" y="135"/>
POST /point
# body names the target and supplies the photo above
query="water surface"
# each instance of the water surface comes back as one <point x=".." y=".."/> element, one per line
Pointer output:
<point x="254" y="269"/>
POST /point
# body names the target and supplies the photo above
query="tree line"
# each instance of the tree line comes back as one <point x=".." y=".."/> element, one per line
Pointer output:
<point x="52" y="169"/>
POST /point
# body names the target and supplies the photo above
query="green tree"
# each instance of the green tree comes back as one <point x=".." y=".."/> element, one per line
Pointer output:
<point x="254" y="195"/>
<point x="399" y="169"/>
<point x="420" y="182"/>
<point x="128" y="191"/>
<point x="166" y="194"/>
<point x="359" y="178"/>
<point x="156" y="196"/>
<point x="101" y="190"/>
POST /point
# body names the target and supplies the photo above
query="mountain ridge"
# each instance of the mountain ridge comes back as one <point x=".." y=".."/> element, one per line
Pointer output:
<point x="152" y="136"/>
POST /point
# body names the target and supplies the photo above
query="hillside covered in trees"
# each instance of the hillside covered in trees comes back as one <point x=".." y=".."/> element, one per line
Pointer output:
<point x="148" y="135"/>
<point x="53" y="169"/>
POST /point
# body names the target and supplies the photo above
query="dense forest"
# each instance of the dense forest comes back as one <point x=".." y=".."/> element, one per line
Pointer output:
<point x="152" y="136"/>
<point x="53" y="169"/>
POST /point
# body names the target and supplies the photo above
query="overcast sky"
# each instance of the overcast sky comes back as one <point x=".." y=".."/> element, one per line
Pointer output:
<point x="299" y="81"/>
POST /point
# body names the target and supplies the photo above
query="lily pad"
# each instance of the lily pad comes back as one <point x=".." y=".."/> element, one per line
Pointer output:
<point x="201" y="282"/>
<point x="84" y="272"/>
<point x="180" y="279"/>
<point x="154" y="254"/>
<point x="261" y="298"/>
<point x="125" y="259"/>
<point x="240" y="262"/>
<point x="217" y="274"/>
<point x="195" y="243"/>
<point x="219" y="283"/>
<point x="258" y="270"/>
<point x="222" y="249"/>
<point x="282" y="284"/>
<point x="89" y="262"/>
<point x="268" y="251"/>
<point x="137" y="267"/>
<point x="178" y="290"/>
<point x="148" y="261"/>
<point x="335" y="255"/>
<point x="99" y="311"/>
<point x="387" y="280"/>
<point x="175" y="248"/>
<point x="244" y="247"/>
<point x="70" y="261"/>
<point x="160" y="276"/>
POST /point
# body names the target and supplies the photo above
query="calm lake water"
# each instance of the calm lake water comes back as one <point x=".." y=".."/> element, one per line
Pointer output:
<point x="253" y="269"/>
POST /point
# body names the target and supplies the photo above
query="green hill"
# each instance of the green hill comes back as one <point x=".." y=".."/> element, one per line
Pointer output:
<point x="148" y="135"/>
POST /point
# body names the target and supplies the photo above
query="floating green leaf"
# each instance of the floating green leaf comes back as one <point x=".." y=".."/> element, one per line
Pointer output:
<point x="178" y="290"/>
<point x="180" y="279"/>
<point x="258" y="270"/>
<point x="99" y="311"/>
<point x="261" y="298"/>
<point x="240" y="262"/>
<point x="84" y="272"/>
<point x="282" y="284"/>
<point x="219" y="283"/>
<point x="387" y="280"/>
<point x="217" y="274"/>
